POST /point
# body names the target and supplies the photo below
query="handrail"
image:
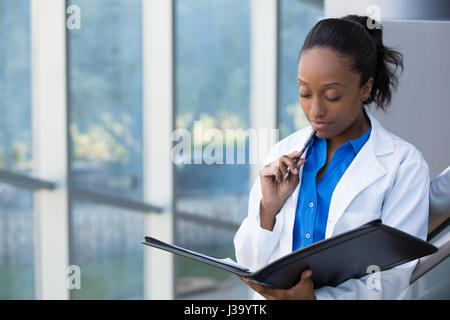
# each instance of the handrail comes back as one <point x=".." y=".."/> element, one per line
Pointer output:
<point x="107" y="199"/>
<point x="23" y="181"/>
<point x="214" y="222"/>
<point x="436" y="229"/>
<point x="427" y="263"/>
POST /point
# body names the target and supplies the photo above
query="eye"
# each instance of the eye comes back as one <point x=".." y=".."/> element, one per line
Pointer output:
<point x="333" y="99"/>
<point x="305" y="95"/>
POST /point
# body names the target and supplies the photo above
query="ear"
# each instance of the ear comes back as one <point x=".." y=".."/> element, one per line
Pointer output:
<point x="366" y="89"/>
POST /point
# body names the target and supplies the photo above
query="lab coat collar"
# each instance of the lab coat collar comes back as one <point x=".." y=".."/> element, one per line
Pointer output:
<point x="380" y="140"/>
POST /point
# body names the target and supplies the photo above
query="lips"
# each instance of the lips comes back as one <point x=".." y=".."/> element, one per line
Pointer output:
<point x="320" y="125"/>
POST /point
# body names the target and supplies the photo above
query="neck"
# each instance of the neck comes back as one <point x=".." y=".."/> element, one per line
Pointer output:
<point x="353" y="132"/>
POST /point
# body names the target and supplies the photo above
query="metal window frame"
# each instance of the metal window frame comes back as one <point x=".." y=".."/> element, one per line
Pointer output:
<point x="263" y="75"/>
<point x="158" y="120"/>
<point x="51" y="209"/>
<point x="112" y="200"/>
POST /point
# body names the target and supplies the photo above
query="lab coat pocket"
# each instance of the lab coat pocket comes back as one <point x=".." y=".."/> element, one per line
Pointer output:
<point x="354" y="219"/>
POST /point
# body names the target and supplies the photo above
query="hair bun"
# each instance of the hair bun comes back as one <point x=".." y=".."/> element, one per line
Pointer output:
<point x="365" y="21"/>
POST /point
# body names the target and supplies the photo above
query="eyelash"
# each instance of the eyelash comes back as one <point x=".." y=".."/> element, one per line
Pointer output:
<point x="331" y="100"/>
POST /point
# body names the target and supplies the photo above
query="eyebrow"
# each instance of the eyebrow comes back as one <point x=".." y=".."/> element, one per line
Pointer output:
<point x="325" y="85"/>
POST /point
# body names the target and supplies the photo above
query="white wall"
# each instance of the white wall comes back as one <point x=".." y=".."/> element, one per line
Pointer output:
<point x="420" y="112"/>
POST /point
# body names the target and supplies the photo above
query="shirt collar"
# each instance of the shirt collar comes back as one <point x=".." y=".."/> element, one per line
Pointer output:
<point x="356" y="144"/>
<point x="359" y="143"/>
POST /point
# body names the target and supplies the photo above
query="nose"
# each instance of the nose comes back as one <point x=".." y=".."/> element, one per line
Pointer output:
<point x="317" y="111"/>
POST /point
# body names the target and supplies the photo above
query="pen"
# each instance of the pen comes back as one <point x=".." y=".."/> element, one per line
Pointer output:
<point x="302" y="151"/>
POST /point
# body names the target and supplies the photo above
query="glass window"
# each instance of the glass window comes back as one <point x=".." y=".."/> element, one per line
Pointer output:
<point x="197" y="280"/>
<point x="212" y="65"/>
<point x="296" y="18"/>
<point x="16" y="215"/>
<point x="15" y="86"/>
<point x="16" y="243"/>
<point x="105" y="107"/>
<point x="105" y="97"/>
<point x="106" y="245"/>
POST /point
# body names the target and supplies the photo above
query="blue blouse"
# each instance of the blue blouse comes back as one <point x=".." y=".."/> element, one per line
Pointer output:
<point x="314" y="199"/>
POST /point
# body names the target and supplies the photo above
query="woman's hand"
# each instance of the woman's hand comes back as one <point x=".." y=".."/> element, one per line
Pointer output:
<point x="304" y="290"/>
<point x="275" y="190"/>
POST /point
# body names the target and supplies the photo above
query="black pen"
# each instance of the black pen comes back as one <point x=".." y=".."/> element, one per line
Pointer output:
<point x="297" y="159"/>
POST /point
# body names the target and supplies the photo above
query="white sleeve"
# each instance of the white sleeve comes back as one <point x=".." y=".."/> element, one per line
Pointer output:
<point x="439" y="193"/>
<point x="253" y="244"/>
<point x="406" y="208"/>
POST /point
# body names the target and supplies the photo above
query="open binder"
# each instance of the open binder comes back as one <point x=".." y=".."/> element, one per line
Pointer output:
<point x="332" y="261"/>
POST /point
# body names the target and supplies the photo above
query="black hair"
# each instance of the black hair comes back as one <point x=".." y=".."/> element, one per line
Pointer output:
<point x="360" y="38"/>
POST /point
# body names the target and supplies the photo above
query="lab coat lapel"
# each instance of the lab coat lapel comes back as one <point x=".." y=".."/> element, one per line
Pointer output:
<point x="364" y="170"/>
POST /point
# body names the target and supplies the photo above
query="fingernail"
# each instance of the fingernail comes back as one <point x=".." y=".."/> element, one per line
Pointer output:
<point x="295" y="170"/>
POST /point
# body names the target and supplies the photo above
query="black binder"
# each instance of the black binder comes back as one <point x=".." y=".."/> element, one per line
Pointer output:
<point x="332" y="260"/>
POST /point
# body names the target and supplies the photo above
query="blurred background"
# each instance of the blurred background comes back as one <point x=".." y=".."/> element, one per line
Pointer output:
<point x="76" y="172"/>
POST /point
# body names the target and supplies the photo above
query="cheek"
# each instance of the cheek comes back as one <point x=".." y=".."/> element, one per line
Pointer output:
<point x="351" y="109"/>
<point x="344" y="112"/>
<point x="303" y="104"/>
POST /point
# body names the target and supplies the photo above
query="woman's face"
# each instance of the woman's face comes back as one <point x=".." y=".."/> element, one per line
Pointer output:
<point x="330" y="95"/>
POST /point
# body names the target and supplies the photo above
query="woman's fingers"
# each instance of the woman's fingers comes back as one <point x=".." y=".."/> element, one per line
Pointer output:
<point x="300" y="162"/>
<point x="277" y="175"/>
<point x="305" y="281"/>
<point x="267" y="292"/>
<point x="279" y="167"/>
<point x="288" y="162"/>
<point x="268" y="170"/>
<point x="272" y="169"/>
<point x="283" y="166"/>
<point x="303" y="290"/>
<point x="306" y="274"/>
<point x="285" y="163"/>
<point x="295" y="154"/>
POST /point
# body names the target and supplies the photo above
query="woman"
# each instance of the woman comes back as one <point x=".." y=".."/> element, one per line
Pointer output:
<point x="355" y="171"/>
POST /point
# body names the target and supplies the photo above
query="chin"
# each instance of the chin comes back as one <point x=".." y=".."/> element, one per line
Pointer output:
<point x="322" y="135"/>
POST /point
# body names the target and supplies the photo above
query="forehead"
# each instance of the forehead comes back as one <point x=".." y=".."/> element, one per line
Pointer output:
<point x="321" y="65"/>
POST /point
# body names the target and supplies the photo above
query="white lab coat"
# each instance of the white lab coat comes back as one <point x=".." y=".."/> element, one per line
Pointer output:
<point x="388" y="179"/>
